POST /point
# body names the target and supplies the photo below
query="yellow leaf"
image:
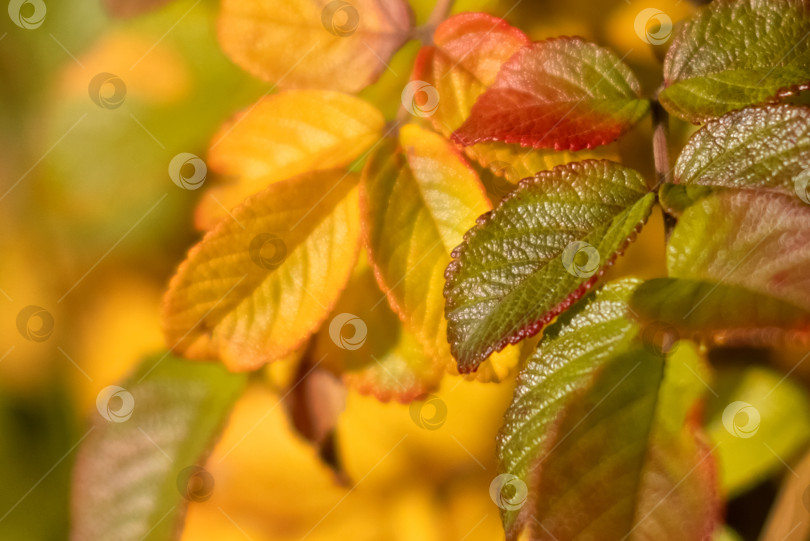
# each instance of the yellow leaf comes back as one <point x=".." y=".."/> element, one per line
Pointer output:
<point x="365" y="342"/>
<point x="260" y="284"/>
<point x="284" y="135"/>
<point x="334" y="44"/>
<point x="418" y="198"/>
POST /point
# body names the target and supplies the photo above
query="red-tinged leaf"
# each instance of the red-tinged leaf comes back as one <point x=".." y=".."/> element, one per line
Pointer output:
<point x="467" y="52"/>
<point x="603" y="434"/>
<point x="738" y="262"/>
<point x="737" y="53"/>
<point x="523" y="263"/>
<point x="333" y="45"/>
<point x="258" y="285"/>
<point x="562" y="93"/>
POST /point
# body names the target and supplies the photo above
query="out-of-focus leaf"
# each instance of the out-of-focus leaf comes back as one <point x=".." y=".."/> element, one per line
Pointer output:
<point x="789" y="519"/>
<point x="561" y="93"/>
<point x="131" y="8"/>
<point x="467" y="52"/>
<point x="736" y="53"/>
<point x="759" y="421"/>
<point x="418" y="197"/>
<point x="385" y="360"/>
<point x="603" y="435"/>
<point x="314" y="44"/>
<point x="759" y="147"/>
<point x="141" y="462"/>
<point x="259" y="284"/>
<point x="523" y="263"/>
<point x="284" y="135"/>
<point x="739" y="260"/>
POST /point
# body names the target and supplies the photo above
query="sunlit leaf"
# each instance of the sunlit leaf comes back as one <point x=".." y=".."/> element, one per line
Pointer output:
<point x="467" y="52"/>
<point x="603" y="436"/>
<point x="736" y="53"/>
<point x="314" y="44"/>
<point x="738" y="266"/>
<point x="259" y="284"/>
<point x="759" y="147"/>
<point x="537" y="252"/>
<point x="418" y="197"/>
<point x="759" y="420"/>
<point x="561" y="93"/>
<point x="388" y="361"/>
<point x="284" y="135"/>
<point x="142" y="461"/>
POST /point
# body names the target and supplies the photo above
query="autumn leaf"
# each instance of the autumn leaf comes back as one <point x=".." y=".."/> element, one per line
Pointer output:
<point x="737" y="53"/>
<point x="562" y="93"/>
<point x="537" y="252"/>
<point x="737" y="265"/>
<point x="281" y="136"/>
<point x="334" y="45"/>
<point x="142" y="461"/>
<point x="602" y="437"/>
<point x="759" y="147"/>
<point x="418" y="197"/>
<point x="259" y="284"/>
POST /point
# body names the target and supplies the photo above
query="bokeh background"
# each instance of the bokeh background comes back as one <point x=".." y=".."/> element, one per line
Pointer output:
<point x="92" y="227"/>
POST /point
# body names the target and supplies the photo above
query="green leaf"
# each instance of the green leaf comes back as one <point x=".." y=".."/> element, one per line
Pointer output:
<point x="758" y="147"/>
<point x="537" y="252"/>
<point x="753" y="443"/>
<point x="676" y="198"/>
<point x="130" y="470"/>
<point x="737" y="53"/>
<point x="605" y="441"/>
<point x="738" y="264"/>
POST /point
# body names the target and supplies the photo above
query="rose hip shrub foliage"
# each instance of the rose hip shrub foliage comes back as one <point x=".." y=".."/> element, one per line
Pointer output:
<point x="324" y="201"/>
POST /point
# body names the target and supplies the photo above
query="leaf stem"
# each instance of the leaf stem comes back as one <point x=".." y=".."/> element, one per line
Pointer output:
<point x="660" y="140"/>
<point x="440" y="12"/>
